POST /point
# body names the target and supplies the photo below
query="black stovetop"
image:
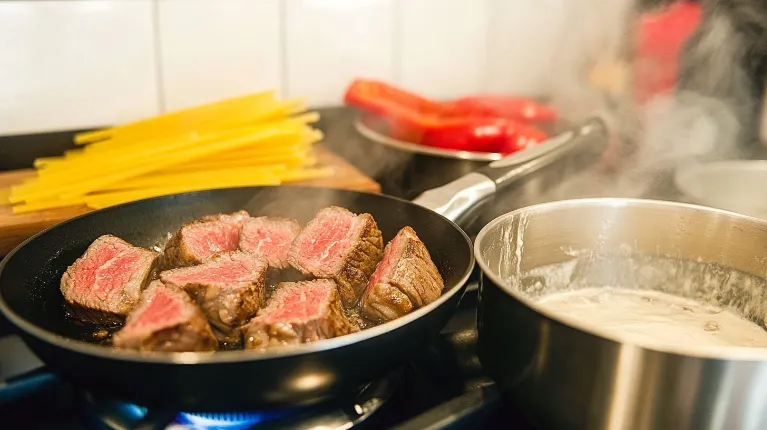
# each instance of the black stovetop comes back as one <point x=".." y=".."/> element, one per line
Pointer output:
<point x="442" y="387"/>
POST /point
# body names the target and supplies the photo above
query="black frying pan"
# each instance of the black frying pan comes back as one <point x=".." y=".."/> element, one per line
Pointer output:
<point x="31" y="300"/>
<point x="230" y="380"/>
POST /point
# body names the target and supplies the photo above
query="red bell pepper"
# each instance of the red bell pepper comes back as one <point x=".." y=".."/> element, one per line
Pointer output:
<point x="483" y="135"/>
<point x="383" y="99"/>
<point x="661" y="38"/>
<point x="476" y="126"/>
<point x="518" y="108"/>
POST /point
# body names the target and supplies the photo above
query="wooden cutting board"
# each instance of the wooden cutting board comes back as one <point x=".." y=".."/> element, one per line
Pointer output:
<point x="15" y="228"/>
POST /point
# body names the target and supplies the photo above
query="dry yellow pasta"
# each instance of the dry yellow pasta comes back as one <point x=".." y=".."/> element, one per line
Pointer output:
<point x="84" y="186"/>
<point x="179" y="119"/>
<point x="5" y="194"/>
<point x="305" y="174"/>
<point x="200" y="178"/>
<point x="172" y="153"/>
<point x="295" y="160"/>
<point x="99" y="201"/>
<point x="272" y="113"/>
<point x="80" y="165"/>
<point x="252" y="140"/>
<point x="47" y="204"/>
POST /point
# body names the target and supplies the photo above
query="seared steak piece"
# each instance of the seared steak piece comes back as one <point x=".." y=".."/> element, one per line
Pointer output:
<point x="199" y="240"/>
<point x="298" y="312"/>
<point x="105" y="283"/>
<point x="229" y="287"/>
<point x="269" y="238"/>
<point x="339" y="245"/>
<point x="406" y="279"/>
<point x="166" y="319"/>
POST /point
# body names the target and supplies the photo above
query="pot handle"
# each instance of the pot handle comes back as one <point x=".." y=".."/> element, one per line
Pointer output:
<point x="456" y="198"/>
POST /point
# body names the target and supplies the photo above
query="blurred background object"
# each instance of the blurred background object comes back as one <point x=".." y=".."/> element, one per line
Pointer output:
<point x="676" y="81"/>
<point x="729" y="185"/>
<point x="82" y="64"/>
<point x="680" y="85"/>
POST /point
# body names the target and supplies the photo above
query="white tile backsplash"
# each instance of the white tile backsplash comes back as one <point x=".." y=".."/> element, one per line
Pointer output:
<point x="442" y="46"/>
<point x="74" y="64"/>
<point x="330" y="42"/>
<point x="524" y="40"/>
<point x="213" y="49"/>
<point x="82" y="63"/>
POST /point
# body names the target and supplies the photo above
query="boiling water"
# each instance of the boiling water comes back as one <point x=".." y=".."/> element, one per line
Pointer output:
<point x="652" y="318"/>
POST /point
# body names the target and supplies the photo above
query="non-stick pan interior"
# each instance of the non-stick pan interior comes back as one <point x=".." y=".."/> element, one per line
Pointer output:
<point x="30" y="276"/>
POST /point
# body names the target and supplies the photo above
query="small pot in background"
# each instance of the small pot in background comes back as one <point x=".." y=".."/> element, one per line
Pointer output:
<point x="433" y="167"/>
<point x="736" y="185"/>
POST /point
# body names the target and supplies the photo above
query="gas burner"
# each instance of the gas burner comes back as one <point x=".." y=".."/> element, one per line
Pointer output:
<point x="341" y="413"/>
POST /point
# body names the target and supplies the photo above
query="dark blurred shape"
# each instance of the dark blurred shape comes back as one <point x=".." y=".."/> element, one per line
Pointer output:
<point x="19" y="151"/>
<point x="726" y="59"/>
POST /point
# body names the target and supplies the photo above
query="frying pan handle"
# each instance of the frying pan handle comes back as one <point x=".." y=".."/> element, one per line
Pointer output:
<point x="456" y="198"/>
<point x="506" y="170"/>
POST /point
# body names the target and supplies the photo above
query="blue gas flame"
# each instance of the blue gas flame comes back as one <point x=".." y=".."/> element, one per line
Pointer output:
<point x="227" y="420"/>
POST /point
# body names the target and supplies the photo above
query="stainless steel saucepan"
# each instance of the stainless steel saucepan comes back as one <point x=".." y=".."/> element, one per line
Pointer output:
<point x="571" y="376"/>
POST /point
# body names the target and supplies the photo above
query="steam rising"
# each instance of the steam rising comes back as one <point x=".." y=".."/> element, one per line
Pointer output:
<point x="709" y="116"/>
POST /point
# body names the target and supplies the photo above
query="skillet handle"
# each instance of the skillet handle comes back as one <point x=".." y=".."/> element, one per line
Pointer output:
<point x="456" y="198"/>
<point x="504" y="171"/>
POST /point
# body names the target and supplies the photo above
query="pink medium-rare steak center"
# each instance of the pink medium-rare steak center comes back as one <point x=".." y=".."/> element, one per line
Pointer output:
<point x="405" y="279"/>
<point x="300" y="304"/>
<point x="339" y="245"/>
<point x="388" y="262"/>
<point x="228" y="286"/>
<point x="231" y="273"/>
<point x="206" y="239"/>
<point x="107" y="271"/>
<point x="269" y="238"/>
<point x="162" y="311"/>
<point x="165" y="319"/>
<point x="324" y="250"/>
<point x="199" y="240"/>
<point x="298" y="312"/>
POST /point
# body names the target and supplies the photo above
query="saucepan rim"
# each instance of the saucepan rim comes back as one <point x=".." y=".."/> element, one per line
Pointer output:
<point x="739" y="353"/>
<point x="220" y="357"/>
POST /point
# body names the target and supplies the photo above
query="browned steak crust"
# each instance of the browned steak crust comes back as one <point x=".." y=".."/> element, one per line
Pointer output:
<point x="226" y="305"/>
<point x="267" y="332"/>
<point x="406" y="279"/>
<point x="186" y="330"/>
<point x="85" y="304"/>
<point x="360" y="262"/>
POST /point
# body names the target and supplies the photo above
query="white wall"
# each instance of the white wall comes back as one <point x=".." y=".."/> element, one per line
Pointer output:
<point x="85" y="63"/>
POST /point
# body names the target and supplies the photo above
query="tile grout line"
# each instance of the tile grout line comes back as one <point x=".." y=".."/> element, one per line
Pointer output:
<point x="396" y="36"/>
<point x="158" y="56"/>
<point x="283" y="42"/>
<point x="492" y="21"/>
